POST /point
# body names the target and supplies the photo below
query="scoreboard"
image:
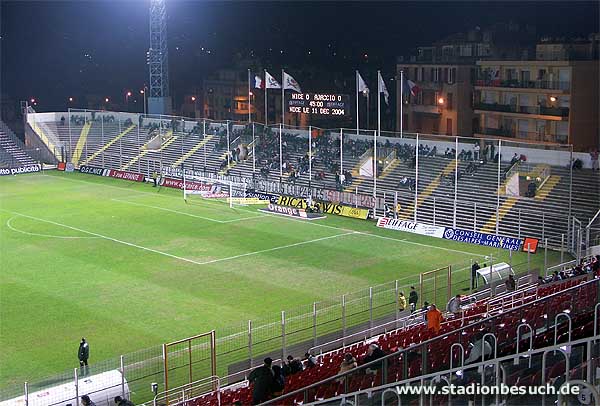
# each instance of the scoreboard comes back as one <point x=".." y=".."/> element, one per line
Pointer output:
<point x="323" y="104"/>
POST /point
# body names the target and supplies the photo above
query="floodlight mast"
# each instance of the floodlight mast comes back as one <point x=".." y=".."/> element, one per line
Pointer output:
<point x="158" y="60"/>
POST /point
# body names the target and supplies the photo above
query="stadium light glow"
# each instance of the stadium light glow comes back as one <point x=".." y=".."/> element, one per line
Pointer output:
<point x="441" y="100"/>
<point x="128" y="94"/>
<point x="552" y="99"/>
<point x="193" y="98"/>
<point x="71" y="99"/>
<point x="32" y="100"/>
<point x="106" y="99"/>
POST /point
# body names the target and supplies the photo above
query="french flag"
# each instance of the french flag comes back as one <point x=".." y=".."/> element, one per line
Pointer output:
<point x="412" y="87"/>
<point x="258" y="82"/>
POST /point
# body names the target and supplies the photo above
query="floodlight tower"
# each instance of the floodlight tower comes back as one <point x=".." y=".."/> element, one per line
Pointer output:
<point x="159" y="101"/>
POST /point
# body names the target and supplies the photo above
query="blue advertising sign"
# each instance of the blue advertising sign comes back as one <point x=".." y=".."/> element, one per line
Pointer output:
<point x="489" y="240"/>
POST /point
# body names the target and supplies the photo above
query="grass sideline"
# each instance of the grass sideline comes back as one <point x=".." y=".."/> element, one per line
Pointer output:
<point x="129" y="267"/>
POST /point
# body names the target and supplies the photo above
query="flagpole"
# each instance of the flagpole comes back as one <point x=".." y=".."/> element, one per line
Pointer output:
<point x="266" y="89"/>
<point x="309" y="154"/>
<point x="282" y="97"/>
<point x="375" y="141"/>
<point x="249" y="103"/>
<point x="401" y="100"/>
<point x="357" y="126"/>
<point x="368" y="108"/>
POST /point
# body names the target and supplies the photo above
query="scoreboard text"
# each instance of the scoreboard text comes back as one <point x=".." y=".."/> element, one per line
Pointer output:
<point x="319" y="103"/>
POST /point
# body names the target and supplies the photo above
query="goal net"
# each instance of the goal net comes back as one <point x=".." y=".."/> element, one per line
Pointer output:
<point x="196" y="188"/>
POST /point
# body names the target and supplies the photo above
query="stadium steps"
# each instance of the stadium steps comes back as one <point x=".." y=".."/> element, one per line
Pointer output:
<point x="192" y="151"/>
<point x="108" y="144"/>
<point x="428" y="191"/>
<point x="359" y="179"/>
<point x="164" y="145"/>
<point x="547" y="187"/>
<point x="490" y="226"/>
<point x="81" y="143"/>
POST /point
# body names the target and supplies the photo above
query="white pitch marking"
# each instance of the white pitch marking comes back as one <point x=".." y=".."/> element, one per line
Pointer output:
<point x="305" y="222"/>
<point x="175" y="256"/>
<point x="276" y="248"/>
<point x="9" y="225"/>
<point x="187" y="214"/>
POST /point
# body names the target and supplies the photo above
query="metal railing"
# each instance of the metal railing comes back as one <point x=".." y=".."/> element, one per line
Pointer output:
<point x="573" y="305"/>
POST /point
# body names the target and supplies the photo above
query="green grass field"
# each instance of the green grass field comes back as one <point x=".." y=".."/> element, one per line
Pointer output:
<point x="129" y="266"/>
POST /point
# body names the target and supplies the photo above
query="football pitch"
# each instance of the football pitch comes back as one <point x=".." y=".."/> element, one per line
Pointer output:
<point x="129" y="266"/>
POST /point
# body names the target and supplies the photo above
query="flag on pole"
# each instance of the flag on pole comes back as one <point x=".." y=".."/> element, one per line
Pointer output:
<point x="258" y="82"/>
<point x="412" y="87"/>
<point x="362" y="86"/>
<point x="271" y="82"/>
<point x="383" y="89"/>
<point x="290" y="83"/>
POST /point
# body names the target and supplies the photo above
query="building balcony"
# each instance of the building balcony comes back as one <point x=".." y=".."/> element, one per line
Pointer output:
<point x="521" y="135"/>
<point x="529" y="84"/>
<point x="537" y="110"/>
<point x="425" y="109"/>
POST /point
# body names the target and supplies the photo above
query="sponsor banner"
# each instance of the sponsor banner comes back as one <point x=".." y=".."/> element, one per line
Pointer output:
<point x="341" y="210"/>
<point x="324" y="207"/>
<point x="20" y="169"/>
<point x="291" y="212"/>
<point x="268" y="197"/>
<point x="61" y="166"/>
<point x="92" y="170"/>
<point x="247" y="200"/>
<point x="489" y="240"/>
<point x="207" y="190"/>
<point x="410" y="227"/>
<point x="70" y="167"/>
<point x="114" y="173"/>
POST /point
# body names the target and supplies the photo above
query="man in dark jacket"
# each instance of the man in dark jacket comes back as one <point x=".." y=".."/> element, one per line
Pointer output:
<point x="413" y="299"/>
<point x="474" y="268"/>
<point x="84" y="352"/>
<point x="262" y="378"/>
<point x="119" y="401"/>
<point x="292" y="366"/>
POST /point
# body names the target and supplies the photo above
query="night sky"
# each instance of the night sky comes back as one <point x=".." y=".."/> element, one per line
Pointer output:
<point x="52" y="50"/>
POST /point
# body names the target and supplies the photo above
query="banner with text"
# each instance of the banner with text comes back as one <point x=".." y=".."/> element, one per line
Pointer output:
<point x="489" y="240"/>
<point x="133" y="176"/>
<point x="20" y="170"/>
<point x="410" y="227"/>
<point x="92" y="170"/>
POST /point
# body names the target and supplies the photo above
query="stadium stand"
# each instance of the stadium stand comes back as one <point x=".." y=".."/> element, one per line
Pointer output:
<point x="535" y="316"/>
<point x="117" y="140"/>
<point x="12" y="150"/>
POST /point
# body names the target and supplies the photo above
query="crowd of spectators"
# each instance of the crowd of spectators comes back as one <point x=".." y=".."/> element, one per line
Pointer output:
<point x="584" y="267"/>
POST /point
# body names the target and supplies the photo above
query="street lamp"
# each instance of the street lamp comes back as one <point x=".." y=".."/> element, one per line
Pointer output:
<point x="127" y="96"/>
<point x="143" y="92"/>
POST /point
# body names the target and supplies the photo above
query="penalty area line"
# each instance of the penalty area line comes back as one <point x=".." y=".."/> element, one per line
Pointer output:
<point x="130" y="244"/>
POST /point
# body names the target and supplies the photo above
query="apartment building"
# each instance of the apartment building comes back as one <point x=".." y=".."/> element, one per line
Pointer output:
<point x="545" y="101"/>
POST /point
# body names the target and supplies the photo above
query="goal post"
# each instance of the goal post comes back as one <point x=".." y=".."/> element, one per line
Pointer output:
<point x="201" y="187"/>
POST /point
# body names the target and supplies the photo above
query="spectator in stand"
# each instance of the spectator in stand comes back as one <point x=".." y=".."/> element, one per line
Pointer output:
<point x="434" y="319"/>
<point x="373" y="353"/>
<point x="424" y="310"/>
<point x="413" y="299"/>
<point x="348" y="363"/>
<point x="476" y="152"/>
<point x="540" y="281"/>
<point x="311" y="360"/>
<point x="401" y="302"/>
<point x="278" y="384"/>
<point x="594" y="159"/>
<point x="262" y="378"/>
<point x="476" y="345"/>
<point x="474" y="268"/>
<point x="511" y="283"/>
<point x="119" y="401"/>
<point x="293" y="365"/>
<point x="514" y="159"/>
<point x="86" y="401"/>
<point x="454" y="305"/>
